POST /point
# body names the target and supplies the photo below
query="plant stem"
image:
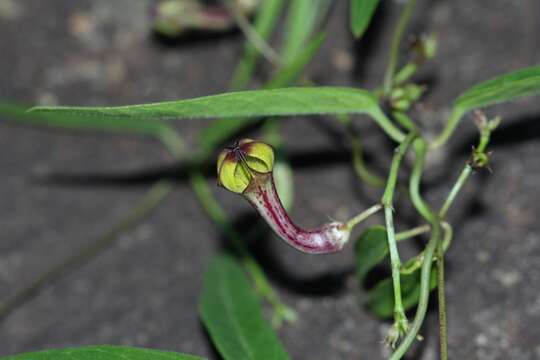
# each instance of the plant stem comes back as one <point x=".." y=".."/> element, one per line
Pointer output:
<point x="251" y="34"/>
<point x="400" y="320"/>
<point x="485" y="136"/>
<point x="386" y="124"/>
<point x="425" y="275"/>
<point x="420" y="148"/>
<point x="363" y="216"/>
<point x="360" y="167"/>
<point x="147" y="203"/>
<point x="394" y="47"/>
<point x="405" y="121"/>
<point x="465" y="173"/>
<point x="443" y="336"/>
<point x="419" y="230"/>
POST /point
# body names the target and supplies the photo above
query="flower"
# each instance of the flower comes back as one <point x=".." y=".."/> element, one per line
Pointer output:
<point x="246" y="169"/>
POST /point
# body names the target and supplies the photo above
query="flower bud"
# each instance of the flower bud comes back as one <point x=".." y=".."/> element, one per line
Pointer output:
<point x="239" y="164"/>
<point x="247" y="168"/>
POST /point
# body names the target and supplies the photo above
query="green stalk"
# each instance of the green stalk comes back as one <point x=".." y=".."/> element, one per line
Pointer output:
<point x="400" y="320"/>
<point x="425" y="274"/>
<point x="142" y="208"/>
<point x="486" y="128"/>
<point x="423" y="208"/>
<point x="252" y="35"/>
<point x="443" y="336"/>
<point x="363" y="216"/>
<point x="407" y="234"/>
<point x="463" y="177"/>
<point x="360" y="166"/>
<point x="394" y="47"/>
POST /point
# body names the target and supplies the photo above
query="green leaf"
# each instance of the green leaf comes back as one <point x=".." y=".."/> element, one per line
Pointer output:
<point x="255" y="103"/>
<point x="507" y="87"/>
<point x="222" y="129"/>
<point x="163" y="132"/>
<point x="381" y="297"/>
<point x="102" y="352"/>
<point x="525" y="82"/>
<point x="361" y="13"/>
<point x="370" y="249"/>
<point x="20" y="114"/>
<point x="264" y="23"/>
<point x="233" y="316"/>
<point x="304" y="16"/>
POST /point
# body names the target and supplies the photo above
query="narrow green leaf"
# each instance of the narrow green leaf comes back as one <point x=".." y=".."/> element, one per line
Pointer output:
<point x="361" y="13"/>
<point x="222" y="129"/>
<point x="503" y="88"/>
<point x="255" y="103"/>
<point x="507" y="87"/>
<point x="381" y="297"/>
<point x="264" y="23"/>
<point x="370" y="249"/>
<point x="102" y="352"/>
<point x="162" y="132"/>
<point x="20" y="114"/>
<point x="303" y="18"/>
<point x="233" y="316"/>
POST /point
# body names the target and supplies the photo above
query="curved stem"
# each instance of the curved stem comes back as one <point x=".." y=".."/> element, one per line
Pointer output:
<point x="425" y="275"/>
<point x="360" y="167"/>
<point x="465" y="173"/>
<point x="405" y="121"/>
<point x="387" y="200"/>
<point x="384" y="122"/>
<point x="252" y="35"/>
<point x="449" y="128"/>
<point x="423" y="208"/>
<point x="407" y="234"/>
<point x="443" y="336"/>
<point x="147" y="203"/>
<point x="394" y="47"/>
<point x="363" y="216"/>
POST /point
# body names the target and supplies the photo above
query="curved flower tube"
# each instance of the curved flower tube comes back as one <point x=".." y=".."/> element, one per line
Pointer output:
<point x="246" y="168"/>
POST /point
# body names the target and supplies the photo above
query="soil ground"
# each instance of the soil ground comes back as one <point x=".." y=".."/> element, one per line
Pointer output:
<point x="144" y="290"/>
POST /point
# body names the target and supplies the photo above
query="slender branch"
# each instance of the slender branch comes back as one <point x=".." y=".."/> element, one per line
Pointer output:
<point x="252" y="35"/>
<point x="363" y="216"/>
<point x="143" y="207"/>
<point x="425" y="276"/>
<point x="405" y="121"/>
<point x="386" y="124"/>
<point x="419" y="230"/>
<point x="465" y="173"/>
<point x="394" y="47"/>
<point x="450" y="126"/>
<point x="400" y="320"/>
<point x="443" y="336"/>
<point x="423" y="208"/>
<point x="479" y="159"/>
<point x="360" y="167"/>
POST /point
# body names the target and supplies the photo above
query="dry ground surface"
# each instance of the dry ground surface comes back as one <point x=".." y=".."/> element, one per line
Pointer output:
<point x="143" y="291"/>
